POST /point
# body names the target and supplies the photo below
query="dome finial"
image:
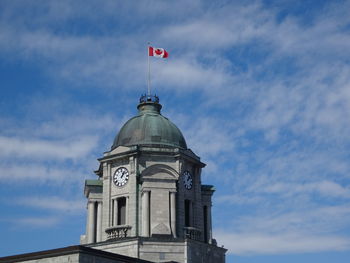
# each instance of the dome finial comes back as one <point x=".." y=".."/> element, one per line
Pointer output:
<point x="149" y="98"/>
<point x="149" y="103"/>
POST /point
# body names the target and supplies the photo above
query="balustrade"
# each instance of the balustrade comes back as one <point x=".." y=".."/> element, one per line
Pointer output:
<point x="116" y="232"/>
<point x="192" y="233"/>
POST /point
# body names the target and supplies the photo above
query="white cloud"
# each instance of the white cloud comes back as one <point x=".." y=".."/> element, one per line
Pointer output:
<point x="54" y="203"/>
<point x="238" y="199"/>
<point x="280" y="83"/>
<point x="47" y="221"/>
<point x="210" y="138"/>
<point x="309" y="220"/>
<point x="47" y="149"/>
<point x="285" y="243"/>
<point x="208" y="34"/>
<point x="40" y="173"/>
<point x="56" y="149"/>
<point x="310" y="230"/>
<point x="86" y="124"/>
<point x="325" y="188"/>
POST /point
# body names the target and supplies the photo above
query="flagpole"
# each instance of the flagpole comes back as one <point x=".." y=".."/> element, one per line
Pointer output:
<point x="149" y="71"/>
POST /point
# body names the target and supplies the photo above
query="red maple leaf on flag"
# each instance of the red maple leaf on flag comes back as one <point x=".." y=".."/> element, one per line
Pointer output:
<point x="157" y="52"/>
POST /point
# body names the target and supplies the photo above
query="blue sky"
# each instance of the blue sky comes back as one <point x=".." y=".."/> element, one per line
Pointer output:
<point x="260" y="90"/>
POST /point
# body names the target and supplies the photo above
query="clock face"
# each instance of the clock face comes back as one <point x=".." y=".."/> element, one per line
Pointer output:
<point x="121" y="176"/>
<point x="188" y="181"/>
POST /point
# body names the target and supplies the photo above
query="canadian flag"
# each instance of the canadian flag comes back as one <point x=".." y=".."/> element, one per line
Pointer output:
<point x="157" y="52"/>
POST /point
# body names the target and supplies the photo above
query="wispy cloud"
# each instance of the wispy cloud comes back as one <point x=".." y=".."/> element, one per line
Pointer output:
<point x="286" y="243"/>
<point x="37" y="221"/>
<point x="325" y="188"/>
<point x="54" y="203"/>
<point x="39" y="173"/>
<point x="47" y="149"/>
<point x="57" y="148"/>
<point x="261" y="94"/>
<point x="297" y="232"/>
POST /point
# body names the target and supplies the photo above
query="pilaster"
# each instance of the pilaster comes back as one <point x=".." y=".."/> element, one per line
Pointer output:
<point x="91" y="222"/>
<point x="173" y="213"/>
<point x="99" y="222"/>
<point x="145" y="214"/>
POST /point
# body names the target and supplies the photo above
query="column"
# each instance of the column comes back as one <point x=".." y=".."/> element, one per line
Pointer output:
<point x="87" y="223"/>
<point x="173" y="212"/>
<point x="209" y="224"/>
<point x="115" y="212"/>
<point x="145" y="214"/>
<point x="91" y="220"/>
<point x="99" y="222"/>
<point x="127" y="210"/>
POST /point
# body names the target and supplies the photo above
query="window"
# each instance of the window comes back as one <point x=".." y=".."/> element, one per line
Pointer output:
<point x="94" y="222"/>
<point x="187" y="213"/>
<point x="205" y="216"/>
<point x="121" y="211"/>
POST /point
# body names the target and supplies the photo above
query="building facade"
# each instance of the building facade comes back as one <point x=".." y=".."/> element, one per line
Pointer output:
<point x="147" y="204"/>
<point x="148" y="201"/>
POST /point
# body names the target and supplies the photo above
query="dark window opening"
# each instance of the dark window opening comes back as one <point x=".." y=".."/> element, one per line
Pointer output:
<point x="205" y="216"/>
<point x="121" y="211"/>
<point x="187" y="213"/>
<point x="95" y="220"/>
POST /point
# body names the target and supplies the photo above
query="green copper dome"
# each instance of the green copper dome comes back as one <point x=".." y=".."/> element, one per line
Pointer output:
<point x="149" y="127"/>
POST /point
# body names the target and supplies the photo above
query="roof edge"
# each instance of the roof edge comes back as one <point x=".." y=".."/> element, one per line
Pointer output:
<point x="68" y="251"/>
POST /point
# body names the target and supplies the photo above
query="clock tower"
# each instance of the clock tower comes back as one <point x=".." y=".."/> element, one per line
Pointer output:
<point x="148" y="200"/>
